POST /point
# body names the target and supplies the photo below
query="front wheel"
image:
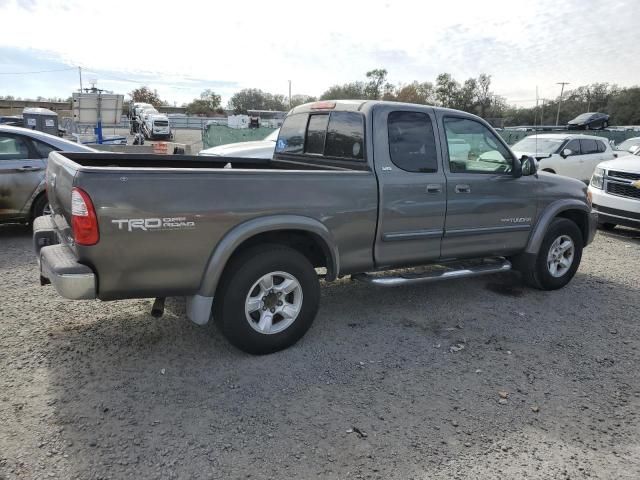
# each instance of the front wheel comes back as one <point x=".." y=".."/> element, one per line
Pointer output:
<point x="267" y="299"/>
<point x="558" y="258"/>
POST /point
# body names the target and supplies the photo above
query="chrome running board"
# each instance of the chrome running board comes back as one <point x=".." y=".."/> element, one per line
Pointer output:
<point x="437" y="273"/>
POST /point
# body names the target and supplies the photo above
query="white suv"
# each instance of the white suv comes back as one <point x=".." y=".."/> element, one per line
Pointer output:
<point x="571" y="155"/>
<point x="615" y="192"/>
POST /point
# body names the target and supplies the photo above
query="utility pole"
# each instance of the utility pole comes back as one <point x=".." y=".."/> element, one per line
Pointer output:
<point x="289" y="94"/>
<point x="588" y="100"/>
<point x="542" y="100"/>
<point x="560" y="102"/>
<point x="80" y="74"/>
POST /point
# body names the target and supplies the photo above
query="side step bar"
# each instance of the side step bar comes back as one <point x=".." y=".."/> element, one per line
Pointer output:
<point x="487" y="266"/>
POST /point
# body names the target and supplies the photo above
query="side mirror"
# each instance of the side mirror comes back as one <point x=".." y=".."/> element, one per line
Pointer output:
<point x="566" y="152"/>
<point x="516" y="171"/>
<point x="529" y="165"/>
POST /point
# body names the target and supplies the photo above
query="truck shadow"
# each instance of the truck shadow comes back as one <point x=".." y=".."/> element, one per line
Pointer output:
<point x="416" y="371"/>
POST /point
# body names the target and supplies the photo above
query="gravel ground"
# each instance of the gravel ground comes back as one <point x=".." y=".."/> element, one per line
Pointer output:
<point x="403" y="383"/>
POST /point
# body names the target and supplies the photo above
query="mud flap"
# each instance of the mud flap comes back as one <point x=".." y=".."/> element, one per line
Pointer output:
<point x="199" y="309"/>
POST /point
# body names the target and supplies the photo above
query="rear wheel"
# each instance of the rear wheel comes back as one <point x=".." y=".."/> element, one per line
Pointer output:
<point x="558" y="258"/>
<point x="267" y="299"/>
<point x="41" y="206"/>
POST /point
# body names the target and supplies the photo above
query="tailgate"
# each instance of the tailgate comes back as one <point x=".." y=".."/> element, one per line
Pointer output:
<point x="60" y="177"/>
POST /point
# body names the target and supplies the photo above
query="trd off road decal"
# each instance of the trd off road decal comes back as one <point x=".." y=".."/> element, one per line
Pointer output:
<point x="154" y="224"/>
<point x="516" y="220"/>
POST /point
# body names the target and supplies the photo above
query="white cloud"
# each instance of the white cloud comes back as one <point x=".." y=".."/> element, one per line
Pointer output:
<point x="317" y="44"/>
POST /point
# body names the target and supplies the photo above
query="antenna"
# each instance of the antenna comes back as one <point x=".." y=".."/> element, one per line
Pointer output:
<point x="560" y="102"/>
<point x="534" y="120"/>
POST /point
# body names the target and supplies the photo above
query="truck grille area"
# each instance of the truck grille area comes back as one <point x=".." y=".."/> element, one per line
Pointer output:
<point x="623" y="190"/>
<point x="625" y="175"/>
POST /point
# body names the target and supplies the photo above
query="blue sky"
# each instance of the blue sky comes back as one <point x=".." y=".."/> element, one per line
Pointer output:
<point x="182" y="48"/>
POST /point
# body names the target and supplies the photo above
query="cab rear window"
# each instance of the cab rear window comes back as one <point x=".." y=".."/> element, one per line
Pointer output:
<point x="335" y="135"/>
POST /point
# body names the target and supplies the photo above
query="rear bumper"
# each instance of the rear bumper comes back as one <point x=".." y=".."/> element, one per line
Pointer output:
<point x="58" y="264"/>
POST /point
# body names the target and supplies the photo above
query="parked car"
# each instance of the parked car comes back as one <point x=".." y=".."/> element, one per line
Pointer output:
<point x="615" y="192"/>
<point x="252" y="236"/>
<point x="629" y="146"/>
<point x="571" y="155"/>
<point x="589" y="121"/>
<point x="156" y="125"/>
<point x="23" y="158"/>
<point x="256" y="149"/>
<point x="15" y="120"/>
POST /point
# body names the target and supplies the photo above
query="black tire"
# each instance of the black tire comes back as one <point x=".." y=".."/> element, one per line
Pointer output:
<point x="607" y="226"/>
<point x="39" y="206"/>
<point x="241" y="274"/>
<point x="538" y="274"/>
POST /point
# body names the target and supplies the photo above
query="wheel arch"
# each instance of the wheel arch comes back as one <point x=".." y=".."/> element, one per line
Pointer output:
<point x="307" y="235"/>
<point x="574" y="210"/>
<point x="37" y="193"/>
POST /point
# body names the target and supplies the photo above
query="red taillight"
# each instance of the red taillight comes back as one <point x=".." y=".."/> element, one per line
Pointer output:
<point x="84" y="222"/>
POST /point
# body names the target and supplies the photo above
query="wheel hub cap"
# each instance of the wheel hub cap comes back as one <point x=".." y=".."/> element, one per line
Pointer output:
<point x="560" y="256"/>
<point x="273" y="302"/>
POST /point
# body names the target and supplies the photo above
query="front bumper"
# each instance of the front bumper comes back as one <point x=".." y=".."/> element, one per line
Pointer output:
<point x="616" y="209"/>
<point x="58" y="264"/>
<point x="593" y="226"/>
<point x="617" y="217"/>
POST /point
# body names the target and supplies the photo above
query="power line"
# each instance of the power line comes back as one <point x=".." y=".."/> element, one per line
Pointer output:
<point x="39" y="71"/>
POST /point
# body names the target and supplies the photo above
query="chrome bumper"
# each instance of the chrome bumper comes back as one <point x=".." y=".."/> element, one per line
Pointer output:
<point x="71" y="279"/>
<point x="58" y="264"/>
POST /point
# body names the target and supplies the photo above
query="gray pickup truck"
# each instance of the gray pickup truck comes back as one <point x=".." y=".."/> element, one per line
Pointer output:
<point x="388" y="193"/>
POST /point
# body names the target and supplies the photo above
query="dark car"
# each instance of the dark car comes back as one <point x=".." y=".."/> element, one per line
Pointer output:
<point x="15" y="120"/>
<point x="589" y="121"/>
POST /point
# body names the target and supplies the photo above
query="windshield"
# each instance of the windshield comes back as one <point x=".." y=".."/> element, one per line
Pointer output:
<point x="273" y="136"/>
<point x="627" y="144"/>
<point x="541" y="145"/>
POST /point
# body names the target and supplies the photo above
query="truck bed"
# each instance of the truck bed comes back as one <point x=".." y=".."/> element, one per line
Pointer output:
<point x="161" y="217"/>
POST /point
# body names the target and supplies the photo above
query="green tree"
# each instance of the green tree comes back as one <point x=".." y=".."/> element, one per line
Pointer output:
<point x="484" y="93"/>
<point x="446" y="90"/>
<point x="415" y="92"/>
<point x="146" y="95"/>
<point x="208" y="103"/>
<point x="301" y="99"/>
<point x="255" y="99"/>
<point x="348" y="91"/>
<point x="377" y="85"/>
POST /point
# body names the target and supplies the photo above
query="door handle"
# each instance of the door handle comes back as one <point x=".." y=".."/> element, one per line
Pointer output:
<point x="463" y="188"/>
<point x="434" y="188"/>
<point x="29" y="168"/>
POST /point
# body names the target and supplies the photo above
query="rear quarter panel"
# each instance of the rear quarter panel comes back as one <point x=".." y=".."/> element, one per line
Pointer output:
<point x="156" y="261"/>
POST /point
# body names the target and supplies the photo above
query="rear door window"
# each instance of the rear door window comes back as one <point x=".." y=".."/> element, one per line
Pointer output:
<point x="345" y="136"/>
<point x="588" y="146"/>
<point x="412" y="144"/>
<point x="601" y="146"/>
